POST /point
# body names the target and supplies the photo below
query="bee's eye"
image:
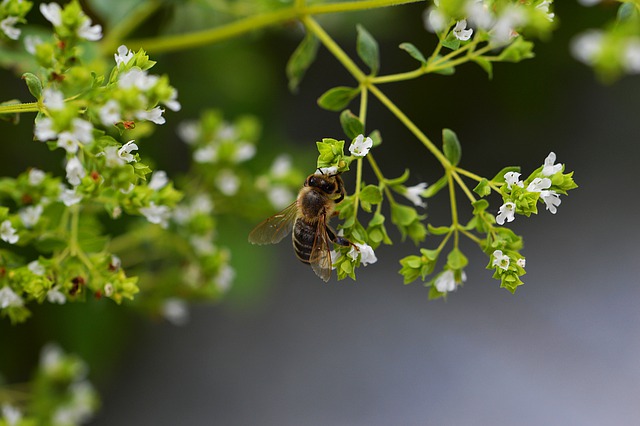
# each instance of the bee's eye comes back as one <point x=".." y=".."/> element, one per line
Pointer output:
<point x="328" y="188"/>
<point x="312" y="181"/>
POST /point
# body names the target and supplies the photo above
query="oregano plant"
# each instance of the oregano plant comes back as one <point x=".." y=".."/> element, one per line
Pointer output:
<point x="108" y="225"/>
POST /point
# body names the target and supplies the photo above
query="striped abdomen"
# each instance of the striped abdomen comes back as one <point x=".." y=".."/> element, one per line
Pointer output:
<point x="304" y="233"/>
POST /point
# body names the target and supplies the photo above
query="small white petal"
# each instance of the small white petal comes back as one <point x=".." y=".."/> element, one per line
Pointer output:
<point x="52" y="13"/>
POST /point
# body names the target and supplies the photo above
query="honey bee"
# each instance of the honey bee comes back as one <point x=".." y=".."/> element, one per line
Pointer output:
<point x="308" y="218"/>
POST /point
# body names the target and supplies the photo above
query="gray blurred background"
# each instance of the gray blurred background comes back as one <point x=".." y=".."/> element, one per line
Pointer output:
<point x="287" y="349"/>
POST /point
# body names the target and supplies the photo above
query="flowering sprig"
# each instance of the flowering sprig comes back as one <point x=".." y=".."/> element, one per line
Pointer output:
<point x="13" y="12"/>
<point x="60" y="393"/>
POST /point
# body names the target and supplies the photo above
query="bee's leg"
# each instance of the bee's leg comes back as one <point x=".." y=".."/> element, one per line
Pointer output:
<point x="337" y="239"/>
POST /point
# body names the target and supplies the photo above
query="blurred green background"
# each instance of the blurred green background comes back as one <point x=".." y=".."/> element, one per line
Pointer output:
<point x="284" y="348"/>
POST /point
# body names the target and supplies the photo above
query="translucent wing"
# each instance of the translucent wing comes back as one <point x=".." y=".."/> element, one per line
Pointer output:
<point x="275" y="228"/>
<point x="320" y="258"/>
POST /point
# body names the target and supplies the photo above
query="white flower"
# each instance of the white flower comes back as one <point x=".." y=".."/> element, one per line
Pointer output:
<point x="225" y="278"/>
<point x="110" y="113"/>
<point x="82" y="130"/>
<point x="7" y="26"/>
<point x="587" y="46"/>
<point x="8" y="298"/>
<point x="36" y="177"/>
<point x="189" y="131"/>
<point x="551" y="200"/>
<point x="88" y="31"/>
<point x="51" y="358"/>
<point x="244" y="152"/>
<point x="11" y="414"/>
<point x="504" y="29"/>
<point x="75" y="171"/>
<point x="125" y="151"/>
<point x="631" y="56"/>
<point x="154" y="115"/>
<point x="521" y="262"/>
<point x="279" y="196"/>
<point x="52" y="13"/>
<point x="158" y="180"/>
<point x="201" y="204"/>
<point x="108" y="289"/>
<point x="446" y="281"/>
<point x="112" y="159"/>
<point x="544" y="7"/>
<point x="364" y="251"/>
<point x="69" y="196"/>
<point x="478" y="14"/>
<point x="172" y="103"/>
<point x="500" y="260"/>
<point x="226" y="132"/>
<point x="539" y="184"/>
<point x="513" y="178"/>
<point x="53" y="99"/>
<point x="31" y="42"/>
<point x="227" y="182"/>
<point x="460" y="31"/>
<point x="135" y="77"/>
<point x="413" y="194"/>
<point x="549" y="168"/>
<point x="68" y="142"/>
<point x="36" y="268"/>
<point x="30" y="215"/>
<point x="8" y="233"/>
<point x="175" y="311"/>
<point x="80" y="408"/>
<point x="202" y="244"/>
<point x="335" y="255"/>
<point x="54" y="295"/>
<point x="123" y="56"/>
<point x="43" y="129"/>
<point x="207" y="154"/>
<point x="327" y="171"/>
<point x="434" y="20"/>
<point x="360" y="146"/>
<point x="281" y="166"/>
<point x="156" y="214"/>
<point x="507" y="211"/>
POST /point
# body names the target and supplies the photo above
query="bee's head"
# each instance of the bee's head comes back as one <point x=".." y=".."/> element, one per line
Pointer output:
<point x="326" y="183"/>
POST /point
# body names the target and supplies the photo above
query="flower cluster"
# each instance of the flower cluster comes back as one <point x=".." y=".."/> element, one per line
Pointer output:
<point x="614" y="50"/>
<point x="499" y="22"/>
<point x="13" y="12"/>
<point x="61" y="393"/>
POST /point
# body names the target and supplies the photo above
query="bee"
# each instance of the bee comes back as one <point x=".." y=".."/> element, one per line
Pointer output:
<point x="308" y="218"/>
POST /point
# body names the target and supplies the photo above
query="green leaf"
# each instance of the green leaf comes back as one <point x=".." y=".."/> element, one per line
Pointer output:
<point x="367" y="48"/>
<point x="301" y="59"/>
<point x="440" y="230"/>
<point x="485" y="65"/>
<point x="338" y="98"/>
<point x="456" y="260"/>
<point x="479" y="206"/>
<point x="628" y="11"/>
<point x="451" y="146"/>
<point x="451" y="42"/>
<point x="376" y="137"/>
<point x="371" y="194"/>
<point x="443" y="71"/>
<point x="517" y="51"/>
<point x="403" y="215"/>
<point x="351" y="124"/>
<point x="414" y="52"/>
<point x="435" y="188"/>
<point x="399" y="180"/>
<point x="482" y="189"/>
<point x="331" y="152"/>
<point x="499" y="177"/>
<point x="34" y="84"/>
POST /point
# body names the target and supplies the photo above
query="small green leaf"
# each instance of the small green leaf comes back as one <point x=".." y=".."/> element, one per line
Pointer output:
<point x="479" y="206"/>
<point x="301" y="59"/>
<point x="456" y="260"/>
<point x="482" y="189"/>
<point x="485" y="65"/>
<point x="337" y="98"/>
<point x="414" y="52"/>
<point x="34" y="84"/>
<point x="351" y="124"/>
<point x="367" y="48"/>
<point x="331" y="152"/>
<point x="517" y="51"/>
<point x="403" y="215"/>
<point x="628" y="11"/>
<point x="451" y="42"/>
<point x="440" y="230"/>
<point x="376" y="137"/>
<point x="399" y="180"/>
<point x="371" y="194"/>
<point x="451" y="146"/>
<point x="434" y="188"/>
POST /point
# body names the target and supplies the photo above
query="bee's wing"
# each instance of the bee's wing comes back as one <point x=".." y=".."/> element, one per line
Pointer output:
<point x="274" y="229"/>
<point x="320" y="258"/>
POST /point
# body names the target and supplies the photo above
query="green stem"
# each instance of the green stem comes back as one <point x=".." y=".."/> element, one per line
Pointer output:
<point x="476" y="178"/>
<point x="19" y="108"/>
<point x="363" y="118"/>
<point x="454" y="209"/>
<point x="252" y="23"/>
